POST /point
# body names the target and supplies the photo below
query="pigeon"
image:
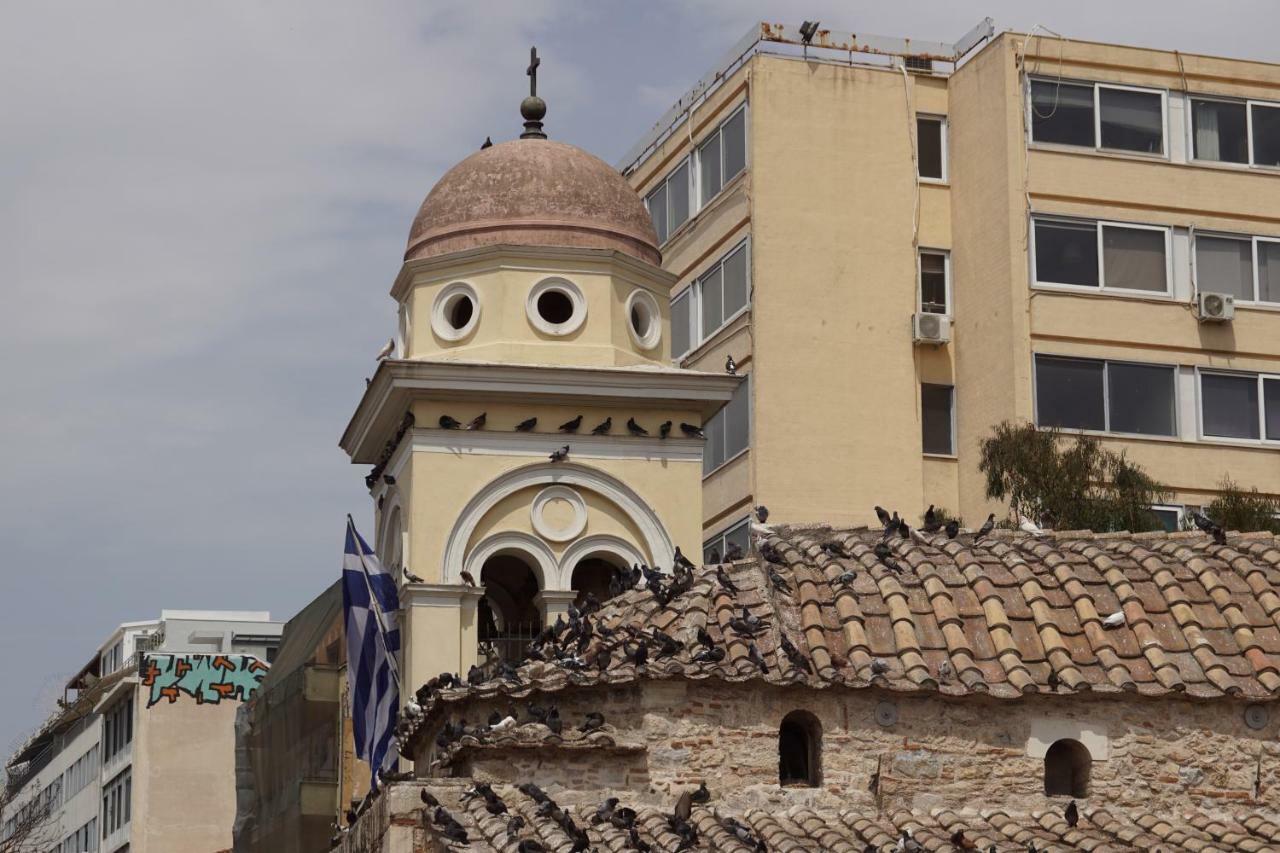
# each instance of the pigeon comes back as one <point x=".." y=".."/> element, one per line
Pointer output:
<point x="959" y="842"/>
<point x="386" y="351"/>
<point x="635" y="428"/>
<point x="1054" y="681"/>
<point x="412" y="709"/>
<point x="530" y="846"/>
<point x="488" y="143"/>
<point x="527" y="425"/>
<point x="709" y="655"/>
<point x="730" y="366"/>
<point x="467" y="578"/>
<point x="684" y="807"/>
<point x="987" y="527"/>
<point x="883" y="516"/>
<point x="1211" y="527"/>
<point x="571" y="426"/>
<point x="945" y="671"/>
<point x="778" y="581"/>
<point x="753" y="655"/>
<point x="908" y="844"/>
<point x="702" y="795"/>
<point x="427" y="798"/>
<point x="410" y="577"/>
<point x="641" y="654"/>
<point x="553" y="721"/>
<point x="879" y="666"/>
<point x="664" y="429"/>
<point x="953" y="529"/>
<point x="733" y="552"/>
<point x="846" y="580"/>
<point x="1115" y="620"/>
<point x="560" y="455"/>
<point x="715" y="557"/>
<point x="835" y="549"/>
<point x="604" y="811"/>
<point x="447" y="422"/>
<point x="680" y="560"/>
<point x="930" y="516"/>
<point x="726" y="583"/>
<point x="885" y="555"/>
<point x="595" y="720"/>
<point x="1026" y="525"/>
<point x="603" y="427"/>
<point x="762" y="513"/>
<point x="1072" y="814"/>
<point x="478" y="421"/>
<point x="692" y="431"/>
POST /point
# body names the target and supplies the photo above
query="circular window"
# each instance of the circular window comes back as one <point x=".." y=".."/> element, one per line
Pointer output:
<point x="455" y="312"/>
<point x="556" y="307"/>
<point x="643" y="319"/>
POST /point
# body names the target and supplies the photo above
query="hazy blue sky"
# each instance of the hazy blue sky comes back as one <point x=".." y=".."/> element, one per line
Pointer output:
<point x="202" y="208"/>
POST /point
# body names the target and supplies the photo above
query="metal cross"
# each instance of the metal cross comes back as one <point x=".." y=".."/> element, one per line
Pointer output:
<point x="532" y="71"/>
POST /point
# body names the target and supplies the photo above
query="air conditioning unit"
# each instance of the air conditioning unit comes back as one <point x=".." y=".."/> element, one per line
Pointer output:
<point x="932" y="329"/>
<point x="1216" y="307"/>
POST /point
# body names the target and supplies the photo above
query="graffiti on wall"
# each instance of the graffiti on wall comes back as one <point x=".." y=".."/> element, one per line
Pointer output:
<point x="205" y="678"/>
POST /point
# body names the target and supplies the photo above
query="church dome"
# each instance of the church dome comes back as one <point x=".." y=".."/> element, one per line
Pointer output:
<point x="533" y="192"/>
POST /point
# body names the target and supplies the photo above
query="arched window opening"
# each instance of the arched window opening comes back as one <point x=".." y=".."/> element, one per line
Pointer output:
<point x="595" y="576"/>
<point x="508" y="615"/>
<point x="800" y="750"/>
<point x="1066" y="769"/>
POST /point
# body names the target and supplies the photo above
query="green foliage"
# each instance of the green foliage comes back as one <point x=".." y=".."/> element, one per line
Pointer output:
<point x="1068" y="484"/>
<point x="1236" y="509"/>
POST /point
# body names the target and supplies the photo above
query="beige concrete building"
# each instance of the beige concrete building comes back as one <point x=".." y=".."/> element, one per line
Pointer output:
<point x="903" y="244"/>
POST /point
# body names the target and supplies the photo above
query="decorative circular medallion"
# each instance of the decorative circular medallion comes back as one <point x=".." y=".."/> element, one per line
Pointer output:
<point x="1256" y="717"/>
<point x="558" y="514"/>
<point x="886" y="713"/>
<point x="455" y="312"/>
<point x="644" y="320"/>
<point x="556" y="307"/>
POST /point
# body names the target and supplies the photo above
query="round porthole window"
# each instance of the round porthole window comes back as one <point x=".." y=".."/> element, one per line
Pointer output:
<point x="455" y="312"/>
<point x="556" y="307"/>
<point x="644" y="321"/>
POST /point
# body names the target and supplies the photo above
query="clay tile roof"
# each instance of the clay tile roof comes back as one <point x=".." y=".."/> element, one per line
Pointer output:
<point x="821" y="828"/>
<point x="1008" y="616"/>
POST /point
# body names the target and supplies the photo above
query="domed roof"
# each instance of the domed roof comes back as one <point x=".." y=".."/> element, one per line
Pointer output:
<point x="533" y="192"/>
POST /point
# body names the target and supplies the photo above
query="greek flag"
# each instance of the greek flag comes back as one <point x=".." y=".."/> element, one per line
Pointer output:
<point x="370" y="604"/>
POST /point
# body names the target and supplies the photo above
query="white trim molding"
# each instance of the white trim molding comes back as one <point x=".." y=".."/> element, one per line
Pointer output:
<point x="589" y="546"/>
<point x="540" y="444"/>
<point x="1046" y="731"/>
<point x="655" y="538"/>
<point x="544" y="528"/>
<point x="561" y="285"/>
<point x="642" y="303"/>
<point x="537" y="552"/>
<point x="444" y="302"/>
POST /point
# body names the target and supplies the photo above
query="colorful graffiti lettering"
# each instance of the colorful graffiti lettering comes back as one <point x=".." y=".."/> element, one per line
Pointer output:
<point x="205" y="678"/>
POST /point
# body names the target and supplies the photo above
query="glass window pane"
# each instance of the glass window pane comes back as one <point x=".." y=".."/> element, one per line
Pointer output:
<point x="709" y="163"/>
<point x="929" y="147"/>
<point x="680" y="324"/>
<point x="1131" y="121"/>
<point x="1271" y="397"/>
<point x="935" y="409"/>
<point x="1061" y="113"/>
<point x="1066" y="253"/>
<point x="1269" y="271"/>
<point x="1133" y="258"/>
<point x="658" y="210"/>
<point x="678" y="197"/>
<point x="933" y="283"/>
<point x="737" y="421"/>
<point x="713" y="447"/>
<point x="1229" y="405"/>
<point x="1266" y="135"/>
<point x="734" y="134"/>
<point x="1069" y="393"/>
<point x="1220" y="132"/>
<point x="1225" y="265"/>
<point x="735" y="281"/>
<point x="740" y="536"/>
<point x="712" y="301"/>
<point x="1142" y="399"/>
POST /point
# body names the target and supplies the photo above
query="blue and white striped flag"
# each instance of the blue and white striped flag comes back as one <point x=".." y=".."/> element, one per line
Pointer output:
<point x="370" y="603"/>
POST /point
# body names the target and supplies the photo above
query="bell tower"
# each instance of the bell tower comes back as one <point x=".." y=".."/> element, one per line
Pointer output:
<point x="528" y="432"/>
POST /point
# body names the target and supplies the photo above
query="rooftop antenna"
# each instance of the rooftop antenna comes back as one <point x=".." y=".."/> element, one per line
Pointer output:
<point x="533" y="108"/>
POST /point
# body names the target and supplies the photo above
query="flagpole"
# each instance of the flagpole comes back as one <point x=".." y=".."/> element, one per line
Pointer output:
<point x="377" y="604"/>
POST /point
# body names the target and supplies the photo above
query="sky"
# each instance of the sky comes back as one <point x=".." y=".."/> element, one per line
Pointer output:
<point x="202" y="210"/>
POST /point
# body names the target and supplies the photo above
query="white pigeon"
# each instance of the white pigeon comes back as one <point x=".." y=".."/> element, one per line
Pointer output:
<point x="761" y="529"/>
<point x="1115" y="620"/>
<point x="1026" y="525"/>
<point x="412" y="709"/>
<point x="386" y="351"/>
<point x="504" y="724"/>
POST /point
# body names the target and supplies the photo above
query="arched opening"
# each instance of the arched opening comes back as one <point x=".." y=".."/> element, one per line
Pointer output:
<point x="800" y="750"/>
<point x="508" y="617"/>
<point x="1066" y="769"/>
<point x="593" y="575"/>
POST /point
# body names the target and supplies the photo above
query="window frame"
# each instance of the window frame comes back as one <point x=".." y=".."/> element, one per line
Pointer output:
<point x="951" y="411"/>
<point x="1256" y="272"/>
<point x="694" y="292"/>
<point x="751" y="430"/>
<point x="718" y="540"/>
<point x="942" y="133"/>
<point x="946" y="273"/>
<point x="1179" y="510"/>
<point x="664" y="184"/>
<point x="1101" y="287"/>
<point x="1165" y="147"/>
<point x="1249" y="104"/>
<point x="1261" y="379"/>
<point x="696" y="154"/>
<point x="1106" y="396"/>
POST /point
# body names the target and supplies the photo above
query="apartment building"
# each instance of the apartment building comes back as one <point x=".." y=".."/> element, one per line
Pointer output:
<point x="903" y="244"/>
<point x="139" y="755"/>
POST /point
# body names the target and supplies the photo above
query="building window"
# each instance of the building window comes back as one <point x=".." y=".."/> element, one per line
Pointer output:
<point x="1244" y="132"/>
<point x="722" y="547"/>
<point x="931" y="147"/>
<point x="1098" y="115"/>
<point x="83" y="840"/>
<point x="714" y="298"/>
<point x="669" y="202"/>
<point x="556" y="306"/>
<point x="935" y="282"/>
<point x="800" y="750"/>
<point x="1110" y="396"/>
<point x="455" y="312"/>
<point x="722" y="156"/>
<point x="1066" y="769"/>
<point x="1170" y="517"/>
<point x="1103" y="255"/>
<point x="80" y="772"/>
<point x="937" y="416"/>
<point x="729" y="430"/>
<point x="1248" y="268"/>
<point x="116" y="806"/>
<point x="112" y="658"/>
<point x="1240" y="406"/>
<point x="117" y="728"/>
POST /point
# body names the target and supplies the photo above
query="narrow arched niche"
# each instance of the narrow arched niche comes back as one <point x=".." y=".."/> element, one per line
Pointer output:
<point x="1067" y="764"/>
<point x="800" y="750"/>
